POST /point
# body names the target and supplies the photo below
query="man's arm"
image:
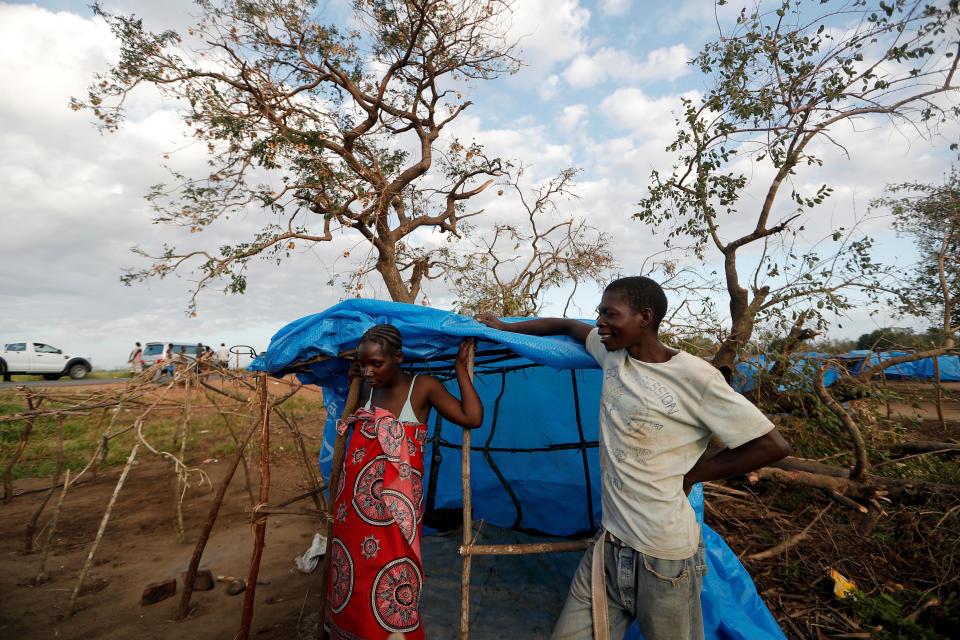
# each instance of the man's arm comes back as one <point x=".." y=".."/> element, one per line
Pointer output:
<point x="540" y="326"/>
<point x="748" y="457"/>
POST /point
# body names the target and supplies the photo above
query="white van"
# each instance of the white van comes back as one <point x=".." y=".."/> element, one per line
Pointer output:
<point x="153" y="351"/>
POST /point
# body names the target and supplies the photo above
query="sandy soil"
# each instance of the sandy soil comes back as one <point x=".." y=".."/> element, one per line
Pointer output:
<point x="140" y="547"/>
<point x="515" y="596"/>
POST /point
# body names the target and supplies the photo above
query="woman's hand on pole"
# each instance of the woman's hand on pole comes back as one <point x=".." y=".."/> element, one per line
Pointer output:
<point x="467" y="346"/>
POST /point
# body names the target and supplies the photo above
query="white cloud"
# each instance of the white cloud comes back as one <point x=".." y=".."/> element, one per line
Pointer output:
<point x="549" y="30"/>
<point x="633" y="109"/>
<point x="609" y="64"/>
<point x="71" y="200"/>
<point x="526" y="141"/>
<point x="615" y="7"/>
<point x="573" y="117"/>
<point x="549" y="87"/>
<point x="60" y="44"/>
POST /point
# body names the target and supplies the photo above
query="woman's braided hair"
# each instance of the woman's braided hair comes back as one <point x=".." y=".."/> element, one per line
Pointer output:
<point x="386" y="335"/>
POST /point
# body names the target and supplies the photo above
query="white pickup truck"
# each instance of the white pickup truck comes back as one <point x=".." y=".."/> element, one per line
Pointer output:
<point x="37" y="358"/>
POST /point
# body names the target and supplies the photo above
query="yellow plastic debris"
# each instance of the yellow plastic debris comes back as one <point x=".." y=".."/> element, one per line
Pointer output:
<point x="842" y="587"/>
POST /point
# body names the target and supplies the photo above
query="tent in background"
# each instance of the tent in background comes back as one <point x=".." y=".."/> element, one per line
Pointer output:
<point x="803" y="365"/>
<point x="534" y="462"/>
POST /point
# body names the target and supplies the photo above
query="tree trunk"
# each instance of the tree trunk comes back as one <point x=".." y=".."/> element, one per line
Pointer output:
<point x="740" y="331"/>
<point x="396" y="287"/>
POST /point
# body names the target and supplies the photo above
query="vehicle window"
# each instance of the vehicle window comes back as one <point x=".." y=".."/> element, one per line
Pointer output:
<point x="17" y="346"/>
<point x="39" y="347"/>
<point x="191" y="349"/>
<point x="153" y="350"/>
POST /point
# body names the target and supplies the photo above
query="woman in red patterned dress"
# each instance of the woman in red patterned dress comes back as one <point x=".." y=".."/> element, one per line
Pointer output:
<point x="376" y="575"/>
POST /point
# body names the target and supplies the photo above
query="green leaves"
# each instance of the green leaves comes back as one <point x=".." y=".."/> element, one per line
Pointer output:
<point x="929" y="214"/>
<point x="779" y="81"/>
<point x="314" y="127"/>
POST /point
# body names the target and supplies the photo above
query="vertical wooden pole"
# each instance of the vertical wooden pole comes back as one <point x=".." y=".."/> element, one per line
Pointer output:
<point x="211" y="519"/>
<point x="259" y="519"/>
<point x="24" y="437"/>
<point x="936" y="377"/>
<point x="179" y="485"/>
<point x="41" y="574"/>
<point x="103" y="526"/>
<point x="339" y="454"/>
<point x="886" y="392"/>
<point x="32" y="525"/>
<point x="466" y="447"/>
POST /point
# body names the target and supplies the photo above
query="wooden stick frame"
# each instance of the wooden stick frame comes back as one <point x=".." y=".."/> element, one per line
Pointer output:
<point x="138" y="390"/>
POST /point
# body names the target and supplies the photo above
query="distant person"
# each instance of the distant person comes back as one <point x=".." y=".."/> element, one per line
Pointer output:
<point x="136" y="359"/>
<point x="223" y="355"/>
<point x="166" y="371"/>
<point x="206" y="356"/>
<point x="200" y="351"/>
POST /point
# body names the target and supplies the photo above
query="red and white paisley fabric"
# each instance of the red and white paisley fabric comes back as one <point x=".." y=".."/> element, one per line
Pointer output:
<point x="376" y="574"/>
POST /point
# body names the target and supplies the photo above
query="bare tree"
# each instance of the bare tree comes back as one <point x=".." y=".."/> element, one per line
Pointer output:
<point x="514" y="264"/>
<point x="783" y="82"/>
<point x="347" y="122"/>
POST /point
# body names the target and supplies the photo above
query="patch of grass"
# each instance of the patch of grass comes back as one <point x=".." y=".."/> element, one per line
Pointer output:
<point x="891" y="613"/>
<point x="95" y="375"/>
<point x="927" y="468"/>
<point x="208" y="436"/>
<point x="115" y="373"/>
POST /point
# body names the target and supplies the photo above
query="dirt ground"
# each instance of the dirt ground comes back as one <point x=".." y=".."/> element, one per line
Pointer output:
<point x="516" y="596"/>
<point x="140" y="547"/>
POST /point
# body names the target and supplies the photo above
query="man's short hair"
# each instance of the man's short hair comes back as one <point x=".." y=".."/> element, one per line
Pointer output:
<point x="641" y="292"/>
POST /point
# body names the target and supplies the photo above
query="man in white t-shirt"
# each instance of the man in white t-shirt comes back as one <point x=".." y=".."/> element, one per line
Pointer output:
<point x="658" y="410"/>
<point x="223" y="355"/>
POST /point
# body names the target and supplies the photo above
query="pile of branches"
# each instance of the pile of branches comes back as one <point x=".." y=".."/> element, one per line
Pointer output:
<point x="826" y="571"/>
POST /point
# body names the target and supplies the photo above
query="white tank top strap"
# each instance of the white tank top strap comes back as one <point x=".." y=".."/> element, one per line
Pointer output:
<point x="406" y="413"/>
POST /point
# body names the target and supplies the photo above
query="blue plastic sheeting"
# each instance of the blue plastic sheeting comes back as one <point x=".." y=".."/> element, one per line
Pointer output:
<point x="916" y="370"/>
<point x="745" y="372"/>
<point x="534" y="463"/>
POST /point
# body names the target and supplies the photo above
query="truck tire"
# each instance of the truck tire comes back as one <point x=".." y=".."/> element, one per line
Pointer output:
<point x="3" y="372"/>
<point x="78" y="371"/>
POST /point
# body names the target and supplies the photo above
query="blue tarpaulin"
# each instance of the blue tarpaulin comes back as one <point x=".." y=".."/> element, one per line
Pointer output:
<point x="916" y="370"/>
<point x="803" y="365"/>
<point x="534" y="461"/>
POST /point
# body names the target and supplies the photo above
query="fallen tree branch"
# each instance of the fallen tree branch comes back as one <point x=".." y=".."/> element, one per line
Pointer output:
<point x="859" y="446"/>
<point x="789" y="542"/>
<point x="824" y="476"/>
<point x="829" y="483"/>
<point x="926" y="446"/>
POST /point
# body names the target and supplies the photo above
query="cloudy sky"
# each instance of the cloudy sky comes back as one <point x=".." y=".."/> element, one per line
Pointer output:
<point x="600" y="81"/>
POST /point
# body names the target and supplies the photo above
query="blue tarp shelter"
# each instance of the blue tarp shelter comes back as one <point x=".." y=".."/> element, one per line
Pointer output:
<point x="534" y="462"/>
<point x="802" y="365"/>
